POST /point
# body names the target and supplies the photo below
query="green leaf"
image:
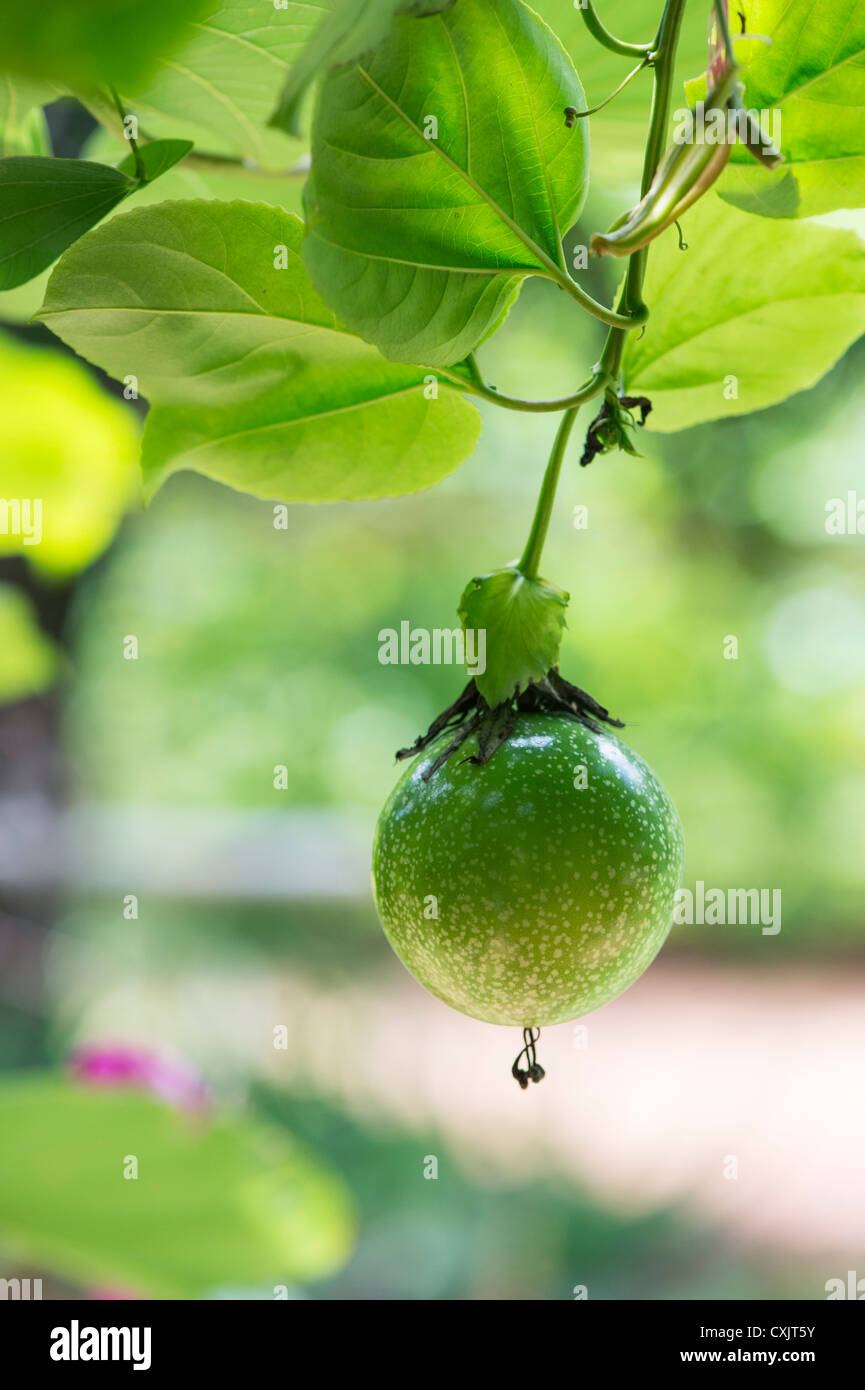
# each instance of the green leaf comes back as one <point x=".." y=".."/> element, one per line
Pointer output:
<point x="210" y="179"/>
<point x="215" y="1202"/>
<point x="203" y="178"/>
<point x="45" y="205"/>
<point x="523" y="620"/>
<point x="813" y="76"/>
<point x="254" y="381"/>
<point x="220" y="88"/>
<point x="617" y="136"/>
<point x="28" y="659"/>
<point x="353" y="27"/>
<point x="752" y="312"/>
<point x="420" y="244"/>
<point x="156" y="159"/>
<point x="74" y="41"/>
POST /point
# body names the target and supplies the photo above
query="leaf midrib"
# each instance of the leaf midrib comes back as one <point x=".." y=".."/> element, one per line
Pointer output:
<point x="540" y="144"/>
<point x="222" y="99"/>
<point x="298" y="420"/>
<point x="57" y="230"/>
<point x="94" y="196"/>
<point x="243" y="42"/>
<point x="196" y="313"/>
<point x="179" y="251"/>
<point x="488" y="272"/>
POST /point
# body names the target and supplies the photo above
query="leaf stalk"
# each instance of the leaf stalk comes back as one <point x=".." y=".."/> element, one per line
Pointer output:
<point x="608" y="40"/>
<point x="476" y="386"/>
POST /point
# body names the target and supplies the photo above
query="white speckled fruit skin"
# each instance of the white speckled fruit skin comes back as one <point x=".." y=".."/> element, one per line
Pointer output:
<point x="551" y="900"/>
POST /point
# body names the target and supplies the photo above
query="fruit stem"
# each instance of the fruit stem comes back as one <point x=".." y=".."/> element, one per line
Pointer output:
<point x="528" y="565"/>
<point x="533" y="1071"/>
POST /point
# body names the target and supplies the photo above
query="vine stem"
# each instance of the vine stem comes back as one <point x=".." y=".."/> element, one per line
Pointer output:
<point x="631" y="306"/>
<point x="663" y="63"/>
<point x="721" y="10"/>
<point x="531" y="559"/>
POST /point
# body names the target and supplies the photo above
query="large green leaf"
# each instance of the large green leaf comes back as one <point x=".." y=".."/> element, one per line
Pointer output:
<point x="255" y="382"/>
<point x="813" y="75"/>
<point x="45" y="205"/>
<point x="75" y="41"/>
<point x="352" y="28"/>
<point x="418" y="243"/>
<point x="753" y="311"/>
<point x="218" y="1202"/>
<point x="220" y="88"/>
<point x="356" y="26"/>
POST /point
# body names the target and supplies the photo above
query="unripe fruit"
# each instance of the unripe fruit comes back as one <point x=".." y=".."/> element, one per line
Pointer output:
<point x="537" y="887"/>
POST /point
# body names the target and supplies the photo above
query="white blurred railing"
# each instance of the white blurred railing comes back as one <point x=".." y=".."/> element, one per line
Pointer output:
<point x="185" y="852"/>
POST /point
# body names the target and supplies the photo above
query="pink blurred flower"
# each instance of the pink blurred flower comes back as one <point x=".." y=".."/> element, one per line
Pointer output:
<point x="120" y="1065"/>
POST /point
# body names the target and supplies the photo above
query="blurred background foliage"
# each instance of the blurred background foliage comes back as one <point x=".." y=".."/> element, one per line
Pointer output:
<point x="258" y="649"/>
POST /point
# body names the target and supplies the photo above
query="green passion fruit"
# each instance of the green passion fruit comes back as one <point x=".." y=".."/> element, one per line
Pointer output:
<point x="537" y="887"/>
